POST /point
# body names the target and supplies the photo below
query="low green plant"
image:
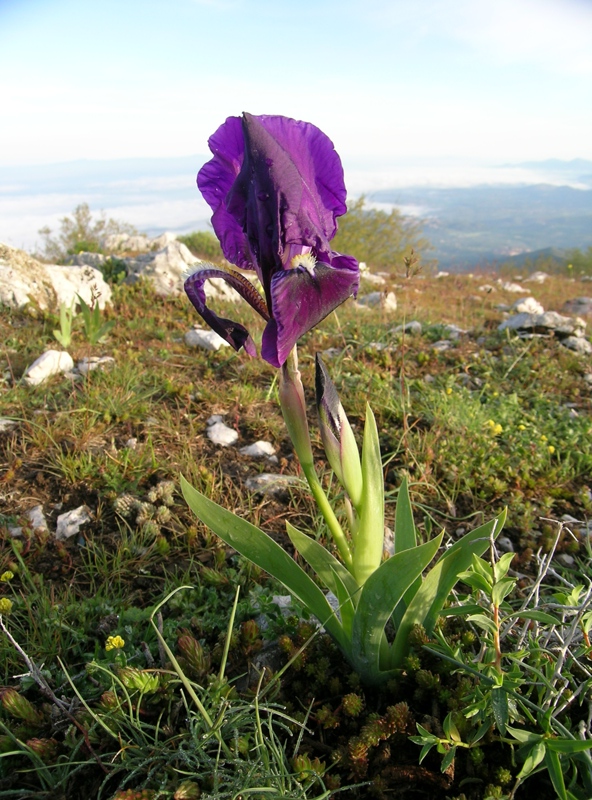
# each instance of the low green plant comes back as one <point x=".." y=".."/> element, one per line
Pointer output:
<point x="126" y="740"/>
<point x="369" y="591"/>
<point x="80" y="232"/>
<point x="533" y="681"/>
<point x="95" y="330"/>
<point x="114" y="270"/>
<point x="67" y="314"/>
<point x="203" y="244"/>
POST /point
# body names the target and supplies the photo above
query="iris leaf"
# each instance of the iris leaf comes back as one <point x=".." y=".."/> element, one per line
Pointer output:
<point x="380" y="594"/>
<point x="331" y="571"/>
<point x="261" y="549"/>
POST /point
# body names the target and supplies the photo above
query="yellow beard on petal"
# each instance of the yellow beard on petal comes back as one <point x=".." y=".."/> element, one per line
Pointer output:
<point x="306" y="260"/>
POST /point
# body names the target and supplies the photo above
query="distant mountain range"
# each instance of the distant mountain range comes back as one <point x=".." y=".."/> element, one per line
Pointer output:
<point x="510" y="210"/>
<point x="479" y="224"/>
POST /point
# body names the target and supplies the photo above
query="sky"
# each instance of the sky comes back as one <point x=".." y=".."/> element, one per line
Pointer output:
<point x="491" y="81"/>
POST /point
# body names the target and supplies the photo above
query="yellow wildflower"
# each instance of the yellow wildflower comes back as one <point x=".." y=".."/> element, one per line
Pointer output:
<point x="521" y="427"/>
<point x="114" y="643"/>
<point x="7" y="576"/>
<point x="551" y="449"/>
<point x="543" y="438"/>
<point x="448" y="390"/>
<point x="5" y="605"/>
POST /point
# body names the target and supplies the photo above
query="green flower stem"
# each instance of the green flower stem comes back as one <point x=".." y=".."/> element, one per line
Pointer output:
<point x="293" y="404"/>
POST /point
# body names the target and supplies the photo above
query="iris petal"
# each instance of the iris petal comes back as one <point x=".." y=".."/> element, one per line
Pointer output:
<point x="232" y="332"/>
<point x="215" y="180"/>
<point x="300" y="300"/>
<point x="276" y="187"/>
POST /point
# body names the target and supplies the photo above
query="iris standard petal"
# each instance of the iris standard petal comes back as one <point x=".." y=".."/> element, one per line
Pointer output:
<point x="215" y="180"/>
<point x="273" y="182"/>
<point x="289" y="191"/>
<point x="319" y="195"/>
<point x="300" y="300"/>
<point x="232" y="332"/>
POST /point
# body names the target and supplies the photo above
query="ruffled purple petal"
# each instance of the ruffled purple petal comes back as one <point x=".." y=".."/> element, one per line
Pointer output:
<point x="300" y="300"/>
<point x="320" y="194"/>
<point x="215" y="180"/>
<point x="289" y="191"/>
<point x="273" y="182"/>
<point x="232" y="332"/>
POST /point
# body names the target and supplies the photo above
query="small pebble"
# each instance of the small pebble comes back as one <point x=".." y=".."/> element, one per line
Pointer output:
<point x="69" y="524"/>
<point x="221" y="434"/>
<point x="270" y="483"/>
<point x="505" y="543"/>
<point x="258" y="449"/>
<point x="566" y="560"/>
<point x="207" y="340"/>
<point x="36" y="517"/>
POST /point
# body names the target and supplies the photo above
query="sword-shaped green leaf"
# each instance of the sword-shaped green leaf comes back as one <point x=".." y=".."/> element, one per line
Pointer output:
<point x="260" y="548"/>
<point x="380" y="594"/>
<point x="405" y="538"/>
<point x="332" y="572"/>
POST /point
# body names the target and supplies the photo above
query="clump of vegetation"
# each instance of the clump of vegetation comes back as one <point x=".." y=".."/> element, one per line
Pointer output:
<point x="204" y="245"/>
<point x="79" y="233"/>
<point x="381" y="239"/>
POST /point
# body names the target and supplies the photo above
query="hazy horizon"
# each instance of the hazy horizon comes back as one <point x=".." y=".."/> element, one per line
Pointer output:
<point x="160" y="194"/>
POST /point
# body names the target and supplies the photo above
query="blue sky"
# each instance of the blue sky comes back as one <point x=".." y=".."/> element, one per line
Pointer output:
<point x="387" y="80"/>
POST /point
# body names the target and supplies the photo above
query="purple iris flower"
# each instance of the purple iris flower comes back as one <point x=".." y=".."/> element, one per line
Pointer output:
<point x="275" y="186"/>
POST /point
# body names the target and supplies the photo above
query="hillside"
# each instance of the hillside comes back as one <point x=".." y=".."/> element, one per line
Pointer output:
<point x="469" y="226"/>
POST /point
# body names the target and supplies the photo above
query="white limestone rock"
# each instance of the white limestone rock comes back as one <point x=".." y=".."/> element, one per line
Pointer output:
<point x="87" y="282"/>
<point x="332" y="352"/>
<point x="549" y="322"/>
<point x="375" y="280"/>
<point x="165" y="269"/>
<point x="125" y="242"/>
<point x="208" y="340"/>
<point x="566" y="560"/>
<point x="578" y="344"/>
<point x="536" y="277"/>
<point x="87" y="259"/>
<point x="258" y="450"/>
<point x="221" y="434"/>
<point x="505" y="544"/>
<point x="52" y="362"/>
<point x="527" y="305"/>
<point x="514" y="288"/>
<point x="414" y="328"/>
<point x="579" y="305"/>
<point x="442" y="345"/>
<point x="6" y="424"/>
<point x="454" y="332"/>
<point x="270" y="483"/>
<point x="36" y="517"/>
<point x="23" y="279"/>
<point x="69" y="524"/>
<point x="386" y="301"/>
<point x="89" y="363"/>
